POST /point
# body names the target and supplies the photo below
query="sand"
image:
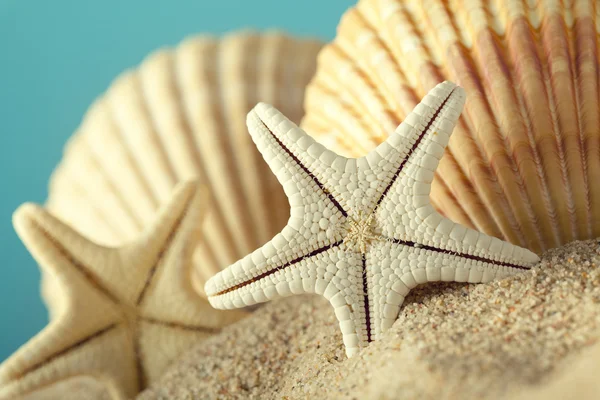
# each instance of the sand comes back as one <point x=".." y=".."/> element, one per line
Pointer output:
<point x="529" y="336"/>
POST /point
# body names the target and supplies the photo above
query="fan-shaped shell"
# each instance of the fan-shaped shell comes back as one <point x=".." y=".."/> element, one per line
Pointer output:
<point x="524" y="162"/>
<point x="182" y="115"/>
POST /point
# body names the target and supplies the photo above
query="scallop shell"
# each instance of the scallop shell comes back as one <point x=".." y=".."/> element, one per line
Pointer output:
<point x="182" y="115"/>
<point x="524" y="161"/>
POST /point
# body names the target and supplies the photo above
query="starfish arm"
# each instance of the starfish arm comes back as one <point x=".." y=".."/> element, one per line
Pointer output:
<point x="418" y="224"/>
<point x="417" y="145"/>
<point x="297" y="160"/>
<point x="98" y="356"/>
<point x="167" y="296"/>
<point x="409" y="264"/>
<point x="65" y="254"/>
<point x="267" y="273"/>
<point x="404" y="208"/>
<point x="42" y="360"/>
<point x="316" y="217"/>
<point x="354" y="303"/>
<point x="76" y="388"/>
<point x="437" y="232"/>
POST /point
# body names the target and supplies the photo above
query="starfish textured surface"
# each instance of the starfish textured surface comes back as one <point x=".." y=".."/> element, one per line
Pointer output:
<point x="362" y="232"/>
<point x="119" y="315"/>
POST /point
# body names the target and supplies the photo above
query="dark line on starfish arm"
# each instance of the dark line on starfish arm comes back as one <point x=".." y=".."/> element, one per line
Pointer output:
<point x="77" y="264"/>
<point x="280" y="268"/>
<point x="412" y="149"/>
<point x="306" y="170"/>
<point x="139" y="362"/>
<point x="366" y="298"/>
<point x="161" y="253"/>
<point x="72" y="347"/>
<point x="178" y="325"/>
<point x="454" y="253"/>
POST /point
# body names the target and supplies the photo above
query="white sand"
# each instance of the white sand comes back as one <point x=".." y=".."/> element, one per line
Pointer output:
<point x="506" y="339"/>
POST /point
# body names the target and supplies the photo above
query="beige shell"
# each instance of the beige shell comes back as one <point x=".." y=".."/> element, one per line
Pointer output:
<point x="524" y="161"/>
<point x="180" y="115"/>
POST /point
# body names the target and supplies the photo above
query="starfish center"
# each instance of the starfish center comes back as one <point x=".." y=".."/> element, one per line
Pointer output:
<point x="360" y="232"/>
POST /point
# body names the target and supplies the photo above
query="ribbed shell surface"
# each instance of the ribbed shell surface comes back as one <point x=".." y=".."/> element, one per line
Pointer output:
<point x="524" y="161"/>
<point x="181" y="115"/>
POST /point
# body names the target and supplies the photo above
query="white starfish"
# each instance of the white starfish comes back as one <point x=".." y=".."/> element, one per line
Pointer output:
<point x="362" y="232"/>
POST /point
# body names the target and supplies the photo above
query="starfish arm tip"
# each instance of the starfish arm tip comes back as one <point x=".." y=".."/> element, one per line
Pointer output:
<point x="49" y="239"/>
<point x="530" y="257"/>
<point x="27" y="214"/>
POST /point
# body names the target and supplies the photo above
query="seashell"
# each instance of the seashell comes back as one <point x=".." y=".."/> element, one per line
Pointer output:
<point x="182" y="115"/>
<point x="524" y="161"/>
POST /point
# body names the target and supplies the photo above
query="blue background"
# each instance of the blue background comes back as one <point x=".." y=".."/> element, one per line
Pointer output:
<point x="55" y="58"/>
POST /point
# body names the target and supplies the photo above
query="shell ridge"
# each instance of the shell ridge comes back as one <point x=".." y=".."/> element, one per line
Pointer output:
<point x="436" y="77"/>
<point x="221" y="238"/>
<point x="587" y="44"/>
<point x="209" y="139"/>
<point x="494" y="200"/>
<point x="512" y="155"/>
<point x="457" y="214"/>
<point x="378" y="66"/>
<point x="250" y="199"/>
<point x="157" y="138"/>
<point x="362" y="93"/>
<point x="562" y="108"/>
<point x="269" y="73"/>
<point x="482" y="24"/>
<point x="113" y="230"/>
<point x="236" y="218"/>
<point x="269" y="197"/>
<point x="125" y="207"/>
<point x="102" y="135"/>
<point x="543" y="130"/>
<point x="584" y="222"/>
<point x="190" y="73"/>
<point x="130" y="116"/>
<point x="466" y="196"/>
<point x="268" y="90"/>
<point x="530" y="146"/>
<point x="486" y="185"/>
<point x="168" y="119"/>
<point x="332" y="106"/>
<point x="120" y="135"/>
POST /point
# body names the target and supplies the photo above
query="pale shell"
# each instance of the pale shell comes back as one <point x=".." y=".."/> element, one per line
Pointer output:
<point x="178" y="116"/>
<point x="524" y="161"/>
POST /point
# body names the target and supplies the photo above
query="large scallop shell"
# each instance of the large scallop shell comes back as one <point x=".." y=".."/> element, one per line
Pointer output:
<point x="524" y="161"/>
<point x="178" y="116"/>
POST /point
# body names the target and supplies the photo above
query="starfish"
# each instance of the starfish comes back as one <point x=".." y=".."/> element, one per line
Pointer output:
<point x="362" y="232"/>
<point x="120" y="315"/>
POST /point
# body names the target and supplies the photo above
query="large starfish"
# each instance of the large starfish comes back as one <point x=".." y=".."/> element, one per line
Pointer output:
<point x="362" y="232"/>
<point x="119" y="315"/>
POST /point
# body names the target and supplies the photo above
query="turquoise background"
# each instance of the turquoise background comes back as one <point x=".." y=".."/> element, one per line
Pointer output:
<point x="55" y="58"/>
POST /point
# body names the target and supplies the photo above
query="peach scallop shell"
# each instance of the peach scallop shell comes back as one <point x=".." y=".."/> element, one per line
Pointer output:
<point x="180" y="115"/>
<point x="524" y="161"/>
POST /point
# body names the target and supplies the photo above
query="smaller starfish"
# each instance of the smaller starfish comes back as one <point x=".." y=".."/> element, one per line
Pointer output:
<point x="362" y="232"/>
<point x="120" y="315"/>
